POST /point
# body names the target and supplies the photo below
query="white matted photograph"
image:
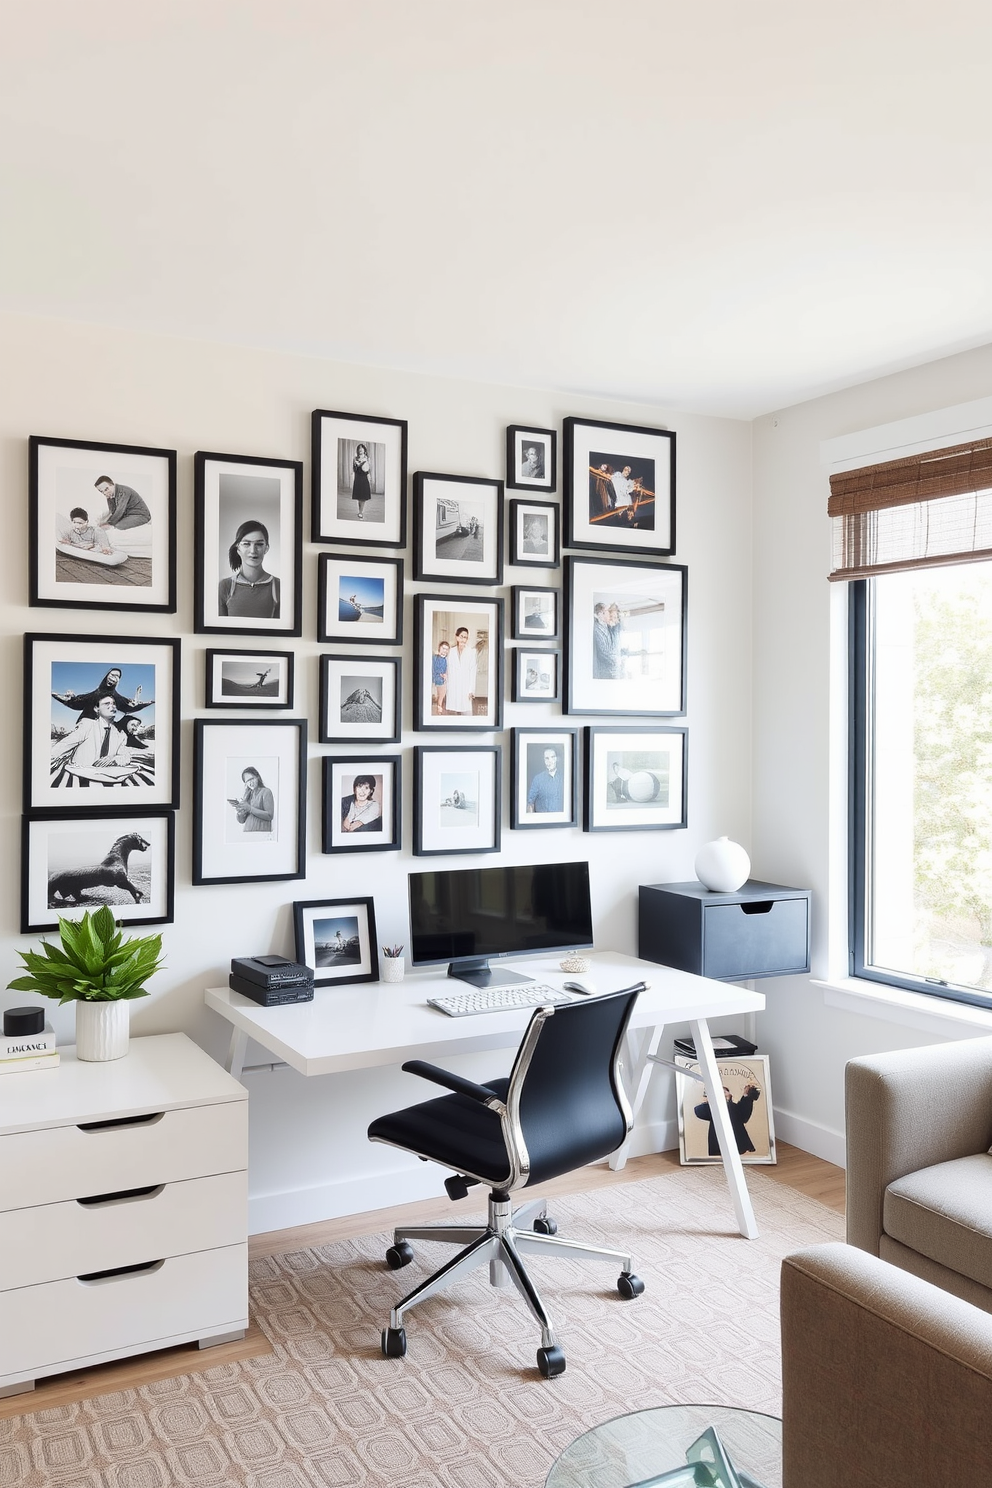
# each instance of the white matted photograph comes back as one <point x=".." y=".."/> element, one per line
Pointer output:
<point x="360" y="600"/>
<point x="336" y="939"/>
<point x="360" y="698"/>
<point x="748" y="1096"/>
<point x="359" y="479"/>
<point x="534" y="613"/>
<point x="458" y="650"/>
<point x="458" y="528"/>
<point x="249" y="679"/>
<point x="536" y="676"/>
<point x="531" y="458"/>
<point x="619" y="488"/>
<point x="535" y="534"/>
<point x="456" y="799"/>
<point x="362" y="803"/>
<point x="249" y="808"/>
<point x="73" y="864"/>
<point x="249" y="545"/>
<point x="625" y="637"/>
<point x="544" y="780"/>
<point x="635" y="779"/>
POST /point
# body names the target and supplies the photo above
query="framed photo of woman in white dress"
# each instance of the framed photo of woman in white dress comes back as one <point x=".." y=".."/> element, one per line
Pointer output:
<point x="359" y="479"/>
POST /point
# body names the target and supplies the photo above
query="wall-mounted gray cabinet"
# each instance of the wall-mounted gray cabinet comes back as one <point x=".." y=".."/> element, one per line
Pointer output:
<point x="760" y="930"/>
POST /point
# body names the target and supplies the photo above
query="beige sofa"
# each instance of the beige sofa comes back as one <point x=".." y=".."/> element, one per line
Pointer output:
<point x="886" y="1380"/>
<point x="919" y="1173"/>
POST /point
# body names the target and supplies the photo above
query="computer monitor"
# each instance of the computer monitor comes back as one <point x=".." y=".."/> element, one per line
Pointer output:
<point x="471" y="916"/>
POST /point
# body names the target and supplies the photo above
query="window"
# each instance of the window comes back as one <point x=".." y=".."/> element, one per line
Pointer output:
<point x="921" y="733"/>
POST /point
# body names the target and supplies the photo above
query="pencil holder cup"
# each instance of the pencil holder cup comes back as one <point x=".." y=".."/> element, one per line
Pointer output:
<point x="392" y="968"/>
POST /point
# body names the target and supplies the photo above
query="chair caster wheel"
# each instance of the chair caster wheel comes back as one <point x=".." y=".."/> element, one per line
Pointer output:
<point x="629" y="1286"/>
<point x="545" y="1226"/>
<point x="398" y="1256"/>
<point x="394" y="1342"/>
<point x="551" y="1361"/>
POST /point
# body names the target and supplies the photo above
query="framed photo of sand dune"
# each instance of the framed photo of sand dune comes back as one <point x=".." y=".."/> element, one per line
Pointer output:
<point x="360" y="699"/>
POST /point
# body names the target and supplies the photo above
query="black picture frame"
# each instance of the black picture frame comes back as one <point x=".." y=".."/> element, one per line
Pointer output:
<point x="342" y="775"/>
<point x="540" y="471"/>
<point x="127" y="562"/>
<point x="536" y="676"/>
<point x="235" y="497"/>
<point x="66" y="763"/>
<point x="636" y="779"/>
<point x="353" y="920"/>
<point x="255" y="679"/>
<point x="622" y="669"/>
<point x="226" y="847"/>
<point x="632" y="514"/>
<point x="360" y="699"/>
<point x="457" y="798"/>
<point x="535" y="612"/>
<point x="457" y="529"/>
<point x="71" y="864"/>
<point x="533" y="802"/>
<point x="535" y="533"/>
<point x="438" y="618"/>
<point x="337" y="513"/>
<point x="359" y="600"/>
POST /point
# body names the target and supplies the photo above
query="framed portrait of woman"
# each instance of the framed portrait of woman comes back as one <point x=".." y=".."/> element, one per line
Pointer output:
<point x="248" y="549"/>
<point x="362" y="803"/>
<point x="249" y="801"/>
<point x="359" y="479"/>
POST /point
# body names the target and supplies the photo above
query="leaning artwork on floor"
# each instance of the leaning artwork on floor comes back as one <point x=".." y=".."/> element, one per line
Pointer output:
<point x="747" y="1091"/>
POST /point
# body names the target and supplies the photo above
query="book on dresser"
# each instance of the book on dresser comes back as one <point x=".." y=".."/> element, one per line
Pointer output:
<point x="25" y="1062"/>
<point x="19" y="1045"/>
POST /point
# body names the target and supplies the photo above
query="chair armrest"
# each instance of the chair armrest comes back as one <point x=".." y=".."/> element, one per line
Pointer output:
<point x="908" y="1110"/>
<point x="457" y="1083"/>
<point x="885" y="1378"/>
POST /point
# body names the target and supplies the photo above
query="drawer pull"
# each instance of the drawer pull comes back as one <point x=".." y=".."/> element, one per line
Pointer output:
<point x="763" y="906"/>
<point x="98" y="1277"/>
<point x="123" y="1196"/>
<point x="119" y="1121"/>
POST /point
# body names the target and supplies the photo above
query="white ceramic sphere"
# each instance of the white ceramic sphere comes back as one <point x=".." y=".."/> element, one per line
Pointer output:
<point x="722" y="865"/>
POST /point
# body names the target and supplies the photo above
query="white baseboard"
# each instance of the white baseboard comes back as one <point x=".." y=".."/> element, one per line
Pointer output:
<point x="810" y="1137"/>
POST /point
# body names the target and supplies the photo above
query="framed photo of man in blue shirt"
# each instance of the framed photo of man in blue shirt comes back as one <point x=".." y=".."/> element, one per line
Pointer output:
<point x="544" y="792"/>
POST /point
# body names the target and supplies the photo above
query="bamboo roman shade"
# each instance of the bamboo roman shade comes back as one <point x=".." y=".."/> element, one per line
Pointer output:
<point x="916" y="512"/>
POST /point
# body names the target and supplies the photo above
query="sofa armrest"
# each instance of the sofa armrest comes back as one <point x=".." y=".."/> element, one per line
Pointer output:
<point x="907" y="1110"/>
<point x="885" y="1378"/>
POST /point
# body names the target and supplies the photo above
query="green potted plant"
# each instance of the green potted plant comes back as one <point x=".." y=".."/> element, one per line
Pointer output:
<point x="98" y="970"/>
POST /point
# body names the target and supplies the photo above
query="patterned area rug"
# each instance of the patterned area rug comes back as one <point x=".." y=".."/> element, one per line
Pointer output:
<point x="466" y="1408"/>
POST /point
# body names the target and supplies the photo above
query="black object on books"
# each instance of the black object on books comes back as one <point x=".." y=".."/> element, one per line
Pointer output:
<point x="23" y="1021"/>
<point x="725" y="1046"/>
<point x="298" y="991"/>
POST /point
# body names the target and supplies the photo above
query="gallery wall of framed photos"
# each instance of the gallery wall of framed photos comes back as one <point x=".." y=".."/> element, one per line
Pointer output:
<point x="346" y="642"/>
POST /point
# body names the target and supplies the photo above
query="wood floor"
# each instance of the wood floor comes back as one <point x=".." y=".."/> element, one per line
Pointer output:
<point x="796" y="1169"/>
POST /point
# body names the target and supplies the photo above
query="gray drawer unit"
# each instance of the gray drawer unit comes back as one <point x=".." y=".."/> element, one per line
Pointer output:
<point x="761" y="930"/>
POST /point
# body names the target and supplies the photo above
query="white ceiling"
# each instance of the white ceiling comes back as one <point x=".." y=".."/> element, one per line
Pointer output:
<point x="712" y="205"/>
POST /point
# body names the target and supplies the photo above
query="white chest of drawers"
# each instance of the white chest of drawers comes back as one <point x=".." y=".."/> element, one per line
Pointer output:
<point x="123" y="1209"/>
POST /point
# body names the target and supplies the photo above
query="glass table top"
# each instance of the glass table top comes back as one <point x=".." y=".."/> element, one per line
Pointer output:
<point x="678" y="1446"/>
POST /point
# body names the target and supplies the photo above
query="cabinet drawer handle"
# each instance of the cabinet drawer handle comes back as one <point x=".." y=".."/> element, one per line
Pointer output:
<point x="123" y="1196"/>
<point x="118" y="1121"/>
<point x="96" y="1278"/>
<point x="763" y="906"/>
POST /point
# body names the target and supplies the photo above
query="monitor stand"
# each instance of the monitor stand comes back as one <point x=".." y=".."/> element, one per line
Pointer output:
<point x="480" y="974"/>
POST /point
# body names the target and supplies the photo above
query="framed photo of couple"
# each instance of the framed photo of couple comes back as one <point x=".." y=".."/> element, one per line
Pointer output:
<point x="359" y="479"/>
<point x="619" y="487"/>
<point x="362" y="803"/>
<point x="544" y="791"/>
<point x="249" y="803"/>
<point x="458" y="643"/>
<point x="625" y="637"/>
<point x="101" y="723"/>
<point x="102" y="525"/>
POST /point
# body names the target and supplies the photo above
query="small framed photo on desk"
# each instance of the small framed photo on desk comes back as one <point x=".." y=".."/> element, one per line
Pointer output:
<point x="747" y="1091"/>
<point x="336" y="939"/>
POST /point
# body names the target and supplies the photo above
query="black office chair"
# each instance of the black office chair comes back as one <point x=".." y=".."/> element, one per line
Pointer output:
<point x="563" y="1106"/>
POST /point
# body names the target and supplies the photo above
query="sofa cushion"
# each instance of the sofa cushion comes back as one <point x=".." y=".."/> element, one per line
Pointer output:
<point x="945" y="1213"/>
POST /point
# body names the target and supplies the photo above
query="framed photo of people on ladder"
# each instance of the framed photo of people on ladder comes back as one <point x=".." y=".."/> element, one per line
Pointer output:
<point x="619" y="487"/>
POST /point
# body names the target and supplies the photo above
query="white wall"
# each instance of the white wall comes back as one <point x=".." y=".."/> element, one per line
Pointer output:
<point x="310" y="1158"/>
<point x="799" y="799"/>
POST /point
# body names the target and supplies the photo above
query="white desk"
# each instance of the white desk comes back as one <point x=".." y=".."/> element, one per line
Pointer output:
<point x="369" y="1024"/>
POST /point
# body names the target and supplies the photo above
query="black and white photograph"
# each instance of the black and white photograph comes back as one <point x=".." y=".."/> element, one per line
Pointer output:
<point x="458" y="654"/>
<point x="361" y="803"/>
<point x="536" y="676"/>
<point x="535" y="613"/>
<point x="635" y="779"/>
<point x="531" y="458"/>
<point x="544" y="788"/>
<point x="70" y="864"/>
<point x="248" y="546"/>
<point x="625" y="637"/>
<point x="101" y="723"/>
<point x="748" y="1096"/>
<point x="360" y="600"/>
<point x="619" y="488"/>
<point x="336" y="939"/>
<point x="249" y="679"/>
<point x="359" y="479"/>
<point x="102" y="525"/>
<point x="360" y="698"/>
<point x="249" y="820"/>
<point x="457" y="528"/>
<point x="535" y="534"/>
<point x="456" y="799"/>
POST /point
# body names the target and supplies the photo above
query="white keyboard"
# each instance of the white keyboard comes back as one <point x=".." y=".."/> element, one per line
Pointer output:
<point x="499" y="999"/>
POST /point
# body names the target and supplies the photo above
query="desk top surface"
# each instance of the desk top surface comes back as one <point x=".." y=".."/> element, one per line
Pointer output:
<point x="375" y="1023"/>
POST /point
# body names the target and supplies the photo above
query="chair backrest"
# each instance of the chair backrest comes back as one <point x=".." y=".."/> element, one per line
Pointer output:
<point x="566" y="1103"/>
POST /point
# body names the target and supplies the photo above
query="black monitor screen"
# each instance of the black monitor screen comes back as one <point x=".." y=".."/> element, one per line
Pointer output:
<point x="519" y="910"/>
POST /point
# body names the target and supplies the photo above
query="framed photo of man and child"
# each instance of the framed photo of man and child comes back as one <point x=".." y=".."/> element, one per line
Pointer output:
<point x="248" y="548"/>
<point x="101" y="723"/>
<point x="458" y="646"/>
<point x="619" y="487"/>
<point x="625" y="637"/>
<point x="102" y="525"/>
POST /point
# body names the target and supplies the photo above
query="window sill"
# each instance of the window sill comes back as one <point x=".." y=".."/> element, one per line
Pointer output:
<point x="910" y="1009"/>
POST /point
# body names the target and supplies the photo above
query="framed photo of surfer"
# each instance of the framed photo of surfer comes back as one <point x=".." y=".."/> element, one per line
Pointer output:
<point x="619" y="488"/>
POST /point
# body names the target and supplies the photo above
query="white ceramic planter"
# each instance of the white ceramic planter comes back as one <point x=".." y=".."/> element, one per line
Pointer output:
<point x="722" y="865"/>
<point x="103" y="1030"/>
<point x="392" y="968"/>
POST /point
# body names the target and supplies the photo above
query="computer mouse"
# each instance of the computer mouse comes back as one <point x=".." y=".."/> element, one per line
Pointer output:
<point x="577" y="987"/>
